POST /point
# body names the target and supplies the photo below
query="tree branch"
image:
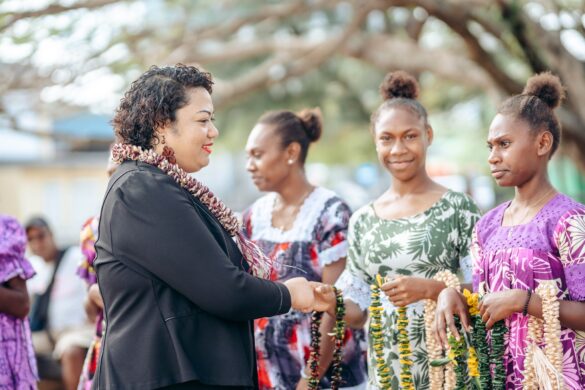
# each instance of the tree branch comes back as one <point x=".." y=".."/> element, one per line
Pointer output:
<point x="52" y="9"/>
<point x="282" y="66"/>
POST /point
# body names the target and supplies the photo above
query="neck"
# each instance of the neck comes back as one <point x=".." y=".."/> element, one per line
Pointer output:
<point x="533" y="189"/>
<point x="295" y="189"/>
<point x="419" y="183"/>
<point x="52" y="256"/>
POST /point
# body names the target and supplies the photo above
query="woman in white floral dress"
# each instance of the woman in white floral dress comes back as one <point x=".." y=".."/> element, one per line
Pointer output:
<point x="304" y="229"/>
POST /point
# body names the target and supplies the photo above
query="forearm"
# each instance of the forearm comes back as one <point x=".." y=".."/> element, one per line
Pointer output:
<point x="355" y="317"/>
<point x="433" y="288"/>
<point x="14" y="302"/>
<point x="571" y="313"/>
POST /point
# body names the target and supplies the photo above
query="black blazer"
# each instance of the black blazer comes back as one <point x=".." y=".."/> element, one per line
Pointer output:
<point x="178" y="301"/>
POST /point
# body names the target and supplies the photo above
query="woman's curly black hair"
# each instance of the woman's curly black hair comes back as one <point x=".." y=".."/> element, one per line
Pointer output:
<point x="153" y="100"/>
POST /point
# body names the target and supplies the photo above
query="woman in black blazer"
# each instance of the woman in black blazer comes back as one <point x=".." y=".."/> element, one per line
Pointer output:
<point x="179" y="294"/>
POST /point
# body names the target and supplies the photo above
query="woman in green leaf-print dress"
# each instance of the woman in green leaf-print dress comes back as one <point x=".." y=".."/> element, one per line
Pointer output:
<point x="412" y="231"/>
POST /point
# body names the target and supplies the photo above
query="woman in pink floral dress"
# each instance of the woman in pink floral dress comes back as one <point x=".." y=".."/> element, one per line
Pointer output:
<point x="18" y="369"/>
<point x="536" y="237"/>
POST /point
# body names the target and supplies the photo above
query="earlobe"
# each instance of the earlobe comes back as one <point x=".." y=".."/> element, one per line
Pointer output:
<point x="545" y="142"/>
<point x="293" y="151"/>
<point x="430" y="134"/>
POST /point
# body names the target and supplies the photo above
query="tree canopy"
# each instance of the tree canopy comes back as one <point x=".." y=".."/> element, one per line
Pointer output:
<point x="297" y="53"/>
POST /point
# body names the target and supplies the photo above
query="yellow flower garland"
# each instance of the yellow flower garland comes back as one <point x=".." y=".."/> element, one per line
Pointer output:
<point x="404" y="351"/>
<point x="376" y="332"/>
<point x="473" y="304"/>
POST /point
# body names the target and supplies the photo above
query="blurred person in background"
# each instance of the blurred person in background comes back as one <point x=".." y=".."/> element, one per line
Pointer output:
<point x="94" y="304"/>
<point x="58" y="320"/>
<point x="18" y="367"/>
<point x="415" y="229"/>
<point x="180" y="284"/>
<point x="303" y="228"/>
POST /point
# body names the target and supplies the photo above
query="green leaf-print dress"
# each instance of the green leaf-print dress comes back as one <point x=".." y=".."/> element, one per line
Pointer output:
<point x="422" y="245"/>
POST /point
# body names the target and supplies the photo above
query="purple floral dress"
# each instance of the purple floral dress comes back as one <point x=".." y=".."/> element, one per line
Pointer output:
<point x="18" y="367"/>
<point x="550" y="247"/>
<point x="86" y="271"/>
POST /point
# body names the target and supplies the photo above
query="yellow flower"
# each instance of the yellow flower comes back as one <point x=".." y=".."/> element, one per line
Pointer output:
<point x="379" y="280"/>
<point x="472" y="301"/>
<point x="472" y="363"/>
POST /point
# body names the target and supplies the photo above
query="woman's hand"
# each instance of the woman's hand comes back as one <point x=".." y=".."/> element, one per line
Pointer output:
<point x="303" y="384"/>
<point x="95" y="296"/>
<point x="404" y="290"/>
<point x="301" y="294"/>
<point x="325" y="299"/>
<point x="500" y="305"/>
<point x="450" y="303"/>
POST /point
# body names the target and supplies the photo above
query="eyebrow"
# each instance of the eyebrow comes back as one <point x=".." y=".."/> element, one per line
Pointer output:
<point x="401" y="132"/>
<point x="499" y="138"/>
<point x="205" y="112"/>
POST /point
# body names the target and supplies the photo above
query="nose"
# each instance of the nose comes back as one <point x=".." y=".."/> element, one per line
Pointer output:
<point x="494" y="156"/>
<point x="398" y="148"/>
<point x="213" y="131"/>
<point x="250" y="165"/>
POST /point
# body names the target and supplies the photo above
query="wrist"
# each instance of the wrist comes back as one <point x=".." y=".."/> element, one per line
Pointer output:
<point x="433" y="289"/>
<point x="517" y="300"/>
<point x="526" y="302"/>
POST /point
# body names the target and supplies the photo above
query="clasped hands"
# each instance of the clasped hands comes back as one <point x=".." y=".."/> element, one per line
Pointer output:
<point x="310" y="296"/>
<point x="401" y="291"/>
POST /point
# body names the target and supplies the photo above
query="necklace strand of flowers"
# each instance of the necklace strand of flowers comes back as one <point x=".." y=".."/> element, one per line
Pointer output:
<point x="315" y="347"/>
<point x="438" y="374"/>
<point x="544" y="369"/>
<point x="383" y="370"/>
<point x="260" y="264"/>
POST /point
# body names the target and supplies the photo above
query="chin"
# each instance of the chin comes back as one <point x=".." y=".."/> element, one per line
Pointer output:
<point x="402" y="175"/>
<point x="504" y="183"/>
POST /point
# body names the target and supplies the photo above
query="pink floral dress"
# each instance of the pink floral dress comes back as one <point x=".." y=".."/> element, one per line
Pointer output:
<point x="550" y="247"/>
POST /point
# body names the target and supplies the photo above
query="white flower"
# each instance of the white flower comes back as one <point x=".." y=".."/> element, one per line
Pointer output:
<point x="576" y="232"/>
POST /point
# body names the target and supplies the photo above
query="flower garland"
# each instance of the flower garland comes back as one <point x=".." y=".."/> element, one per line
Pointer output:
<point x="339" y="335"/>
<point x="376" y="331"/>
<point x="478" y="361"/>
<point x="457" y="356"/>
<point x="534" y="338"/>
<point x="260" y="264"/>
<point x="498" y="334"/>
<point x="406" y="380"/>
<point x="315" y="347"/>
<point x="438" y="374"/>
<point x="544" y="370"/>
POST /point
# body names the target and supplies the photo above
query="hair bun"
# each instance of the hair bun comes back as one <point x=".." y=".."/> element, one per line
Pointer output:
<point x="312" y="122"/>
<point x="399" y="84"/>
<point x="547" y="87"/>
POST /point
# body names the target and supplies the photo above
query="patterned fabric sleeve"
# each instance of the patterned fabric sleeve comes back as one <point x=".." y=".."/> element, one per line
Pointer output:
<point x="354" y="281"/>
<point x="475" y="254"/>
<point x="569" y="236"/>
<point x="332" y="245"/>
<point x="467" y="215"/>
<point x="87" y="239"/>
<point x="247" y="223"/>
<point x="12" y="246"/>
